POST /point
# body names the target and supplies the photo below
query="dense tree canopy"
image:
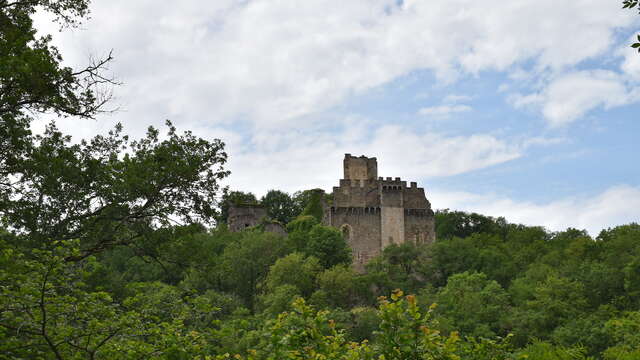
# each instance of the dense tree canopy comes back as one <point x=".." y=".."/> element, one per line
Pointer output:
<point x="109" y="250"/>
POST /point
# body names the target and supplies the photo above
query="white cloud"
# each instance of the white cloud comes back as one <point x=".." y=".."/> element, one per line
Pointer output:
<point x="450" y="105"/>
<point x="454" y="99"/>
<point x="269" y="62"/>
<point x="616" y="205"/>
<point x="631" y="60"/>
<point x="569" y="97"/>
<point x="444" y="110"/>
<point x="299" y="160"/>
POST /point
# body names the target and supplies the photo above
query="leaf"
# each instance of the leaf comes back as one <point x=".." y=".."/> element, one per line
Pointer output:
<point x="636" y="45"/>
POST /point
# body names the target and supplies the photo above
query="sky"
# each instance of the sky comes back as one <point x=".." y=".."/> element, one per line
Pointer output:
<point x="527" y="109"/>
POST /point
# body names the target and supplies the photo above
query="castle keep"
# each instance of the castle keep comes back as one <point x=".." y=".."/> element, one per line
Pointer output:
<point x="373" y="212"/>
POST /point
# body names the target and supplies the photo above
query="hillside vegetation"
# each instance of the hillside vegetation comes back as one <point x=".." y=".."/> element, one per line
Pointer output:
<point x="486" y="289"/>
<point x="114" y="248"/>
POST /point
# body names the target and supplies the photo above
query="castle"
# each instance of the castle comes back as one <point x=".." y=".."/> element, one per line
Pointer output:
<point x="243" y="216"/>
<point x="373" y="212"/>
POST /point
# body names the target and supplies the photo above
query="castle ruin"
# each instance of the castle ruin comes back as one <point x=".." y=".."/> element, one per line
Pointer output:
<point x="371" y="212"/>
<point x="244" y="216"/>
<point x="374" y="212"/>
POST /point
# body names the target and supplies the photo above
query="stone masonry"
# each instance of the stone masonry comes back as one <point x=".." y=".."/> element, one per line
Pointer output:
<point x="245" y="216"/>
<point x="373" y="212"/>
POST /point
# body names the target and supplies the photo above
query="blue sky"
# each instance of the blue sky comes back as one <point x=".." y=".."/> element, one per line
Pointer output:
<point x="526" y="109"/>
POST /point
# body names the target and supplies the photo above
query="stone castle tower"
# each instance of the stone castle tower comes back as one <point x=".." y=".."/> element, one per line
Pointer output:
<point x="373" y="212"/>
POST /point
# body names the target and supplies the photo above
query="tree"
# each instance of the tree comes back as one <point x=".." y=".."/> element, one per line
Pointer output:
<point x="246" y="263"/>
<point x="46" y="311"/>
<point x="626" y="333"/>
<point x="302" y="198"/>
<point x="298" y="232"/>
<point x="107" y="191"/>
<point x="31" y="77"/>
<point x="553" y="303"/>
<point x="110" y="191"/>
<point x="336" y="287"/>
<point x="280" y="206"/>
<point x="406" y="333"/>
<point x="314" y="206"/>
<point x="328" y="245"/>
<point x="630" y="4"/>
<point x="473" y="305"/>
<point x="295" y="270"/>
<point x="461" y="224"/>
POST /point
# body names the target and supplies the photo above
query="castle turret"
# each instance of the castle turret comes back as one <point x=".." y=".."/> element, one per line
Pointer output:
<point x="374" y="212"/>
<point x="360" y="168"/>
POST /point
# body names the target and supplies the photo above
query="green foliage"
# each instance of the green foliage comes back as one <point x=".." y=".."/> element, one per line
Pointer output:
<point x="625" y="331"/>
<point x="280" y="206"/>
<point x="246" y="263"/>
<point x="364" y="322"/>
<point x="298" y="232"/>
<point x="302" y="224"/>
<point x="550" y="304"/>
<point x="631" y="4"/>
<point x="47" y="312"/>
<point x="314" y="205"/>
<point x="473" y="305"/>
<point x="547" y="351"/>
<point x="278" y="299"/>
<point x="327" y="245"/>
<point x="588" y="330"/>
<point x="306" y="334"/>
<point x="92" y="265"/>
<point x="302" y="198"/>
<point x="295" y="270"/>
<point x="336" y="287"/>
<point x="461" y="224"/>
<point x="110" y="191"/>
<point x="406" y="333"/>
<point x="31" y="76"/>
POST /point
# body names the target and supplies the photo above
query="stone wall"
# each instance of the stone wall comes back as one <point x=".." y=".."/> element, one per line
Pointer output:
<point x="356" y="193"/>
<point x="419" y="226"/>
<point x="360" y="168"/>
<point x="244" y="216"/>
<point x="361" y="228"/>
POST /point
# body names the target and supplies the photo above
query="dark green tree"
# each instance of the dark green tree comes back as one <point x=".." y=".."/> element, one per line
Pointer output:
<point x="473" y="305"/>
<point x="336" y="287"/>
<point x="32" y="78"/>
<point x="461" y="224"/>
<point x="328" y="245"/>
<point x="298" y="232"/>
<point x="110" y="191"/>
<point x="47" y="312"/>
<point x="280" y="206"/>
<point x="314" y="205"/>
<point x="246" y="263"/>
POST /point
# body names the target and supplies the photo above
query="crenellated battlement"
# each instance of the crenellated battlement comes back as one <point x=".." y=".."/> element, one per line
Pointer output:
<point x="378" y="211"/>
<point x="356" y="210"/>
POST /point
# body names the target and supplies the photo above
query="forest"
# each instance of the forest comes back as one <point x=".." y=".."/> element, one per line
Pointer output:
<point x="117" y="248"/>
